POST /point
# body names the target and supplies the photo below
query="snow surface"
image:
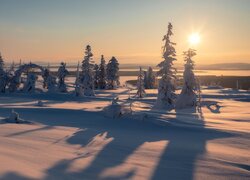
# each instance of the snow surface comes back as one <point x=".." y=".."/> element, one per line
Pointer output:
<point x="70" y="138"/>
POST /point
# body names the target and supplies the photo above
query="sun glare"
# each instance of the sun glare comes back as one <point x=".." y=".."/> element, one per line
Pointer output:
<point x="194" y="39"/>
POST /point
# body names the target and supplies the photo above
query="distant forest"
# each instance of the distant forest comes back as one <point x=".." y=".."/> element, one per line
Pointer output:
<point x="220" y="66"/>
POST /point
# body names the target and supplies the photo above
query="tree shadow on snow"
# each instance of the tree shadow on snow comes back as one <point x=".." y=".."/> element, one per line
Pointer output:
<point x="187" y="142"/>
<point x="187" y="139"/>
<point x="14" y="176"/>
<point x="125" y="137"/>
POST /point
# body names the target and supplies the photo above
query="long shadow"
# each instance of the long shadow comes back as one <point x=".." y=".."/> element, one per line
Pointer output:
<point x="230" y="94"/>
<point x="214" y="108"/>
<point x="116" y="152"/>
<point x="178" y="160"/>
<point x="50" y="97"/>
<point x="127" y="137"/>
<point x="186" y="144"/>
<point x="30" y="131"/>
<point x="14" y="176"/>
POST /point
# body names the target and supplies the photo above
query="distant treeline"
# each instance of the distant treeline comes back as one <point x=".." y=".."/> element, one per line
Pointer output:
<point x="121" y="73"/>
<point x="219" y="66"/>
<point x="243" y="82"/>
<point x="224" y="81"/>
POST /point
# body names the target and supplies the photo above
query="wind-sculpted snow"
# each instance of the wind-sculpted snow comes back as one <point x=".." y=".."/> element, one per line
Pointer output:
<point x="71" y="139"/>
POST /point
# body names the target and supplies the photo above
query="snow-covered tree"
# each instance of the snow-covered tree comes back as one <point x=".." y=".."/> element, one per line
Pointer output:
<point x="10" y="73"/>
<point x="112" y="74"/>
<point x="45" y="76"/>
<point x="102" y="74"/>
<point x="145" y="79"/>
<point x="198" y="89"/>
<point x="61" y="74"/>
<point x="14" y="82"/>
<point x="149" y="79"/>
<point x="87" y="76"/>
<point x="140" y="85"/>
<point x="78" y="83"/>
<point x="96" y="76"/>
<point x="3" y="76"/>
<point x="51" y="83"/>
<point x="167" y="84"/>
<point x="1" y="65"/>
<point x="49" y="80"/>
<point x="30" y="84"/>
<point x="188" y="95"/>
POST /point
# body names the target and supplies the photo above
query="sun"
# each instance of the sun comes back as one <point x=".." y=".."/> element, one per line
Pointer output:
<point x="194" y="39"/>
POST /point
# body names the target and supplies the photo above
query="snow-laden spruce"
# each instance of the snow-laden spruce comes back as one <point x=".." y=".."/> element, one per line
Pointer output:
<point x="49" y="80"/>
<point x="87" y="76"/>
<point x="61" y="74"/>
<point x="140" y="85"/>
<point x="3" y="76"/>
<point x="113" y="74"/>
<point x="96" y="76"/>
<point x="78" y="83"/>
<point x="30" y="84"/>
<point x="45" y="76"/>
<point x="149" y="79"/>
<point x="188" y="96"/>
<point x="166" y="88"/>
<point x="102" y="78"/>
<point x="10" y="74"/>
<point x="1" y="64"/>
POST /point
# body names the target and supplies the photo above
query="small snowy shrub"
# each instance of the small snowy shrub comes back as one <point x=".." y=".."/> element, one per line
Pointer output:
<point x="40" y="103"/>
<point x="3" y="76"/>
<point x="14" y="117"/>
<point x="114" y="110"/>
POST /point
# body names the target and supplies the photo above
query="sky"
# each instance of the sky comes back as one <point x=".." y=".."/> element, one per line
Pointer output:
<point x="130" y="30"/>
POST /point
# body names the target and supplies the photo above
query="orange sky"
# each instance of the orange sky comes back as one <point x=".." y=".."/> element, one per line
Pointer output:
<point x="130" y="30"/>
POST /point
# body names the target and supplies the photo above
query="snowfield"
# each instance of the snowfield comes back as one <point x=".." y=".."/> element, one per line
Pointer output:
<point x="71" y="138"/>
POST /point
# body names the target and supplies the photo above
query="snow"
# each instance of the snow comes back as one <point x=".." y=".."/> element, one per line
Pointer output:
<point x="70" y="138"/>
